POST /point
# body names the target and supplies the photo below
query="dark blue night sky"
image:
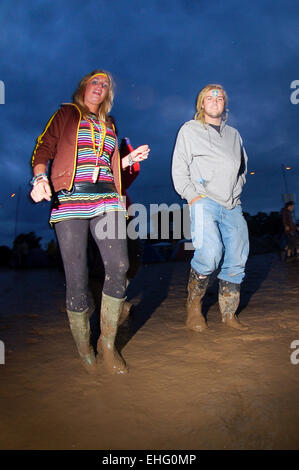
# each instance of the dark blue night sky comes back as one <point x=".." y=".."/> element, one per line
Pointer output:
<point x="161" y="53"/>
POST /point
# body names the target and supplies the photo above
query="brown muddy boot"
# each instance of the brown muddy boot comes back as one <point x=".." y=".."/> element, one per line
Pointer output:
<point x="125" y="312"/>
<point x="111" y="309"/>
<point x="80" y="328"/>
<point x="229" y="298"/>
<point x="197" y="287"/>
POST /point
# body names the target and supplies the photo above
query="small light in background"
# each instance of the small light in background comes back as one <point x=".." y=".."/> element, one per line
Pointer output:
<point x="13" y="195"/>
<point x="252" y="172"/>
<point x="288" y="167"/>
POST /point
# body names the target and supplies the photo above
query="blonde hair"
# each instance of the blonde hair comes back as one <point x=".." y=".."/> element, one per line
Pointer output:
<point x="105" y="107"/>
<point x="200" y="114"/>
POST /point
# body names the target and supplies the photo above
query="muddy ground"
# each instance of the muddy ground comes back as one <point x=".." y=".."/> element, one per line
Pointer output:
<point x="222" y="389"/>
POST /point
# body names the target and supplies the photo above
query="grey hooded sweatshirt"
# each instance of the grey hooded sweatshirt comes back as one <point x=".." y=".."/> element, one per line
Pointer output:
<point x="206" y="162"/>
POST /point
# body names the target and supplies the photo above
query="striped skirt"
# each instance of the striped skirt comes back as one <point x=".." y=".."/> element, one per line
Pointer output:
<point x="84" y="206"/>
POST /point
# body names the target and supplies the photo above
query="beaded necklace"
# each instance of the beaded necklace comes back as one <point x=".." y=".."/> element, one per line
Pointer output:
<point x="98" y="151"/>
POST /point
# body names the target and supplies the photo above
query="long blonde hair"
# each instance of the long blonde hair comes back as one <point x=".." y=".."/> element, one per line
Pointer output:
<point x="105" y="107"/>
<point x="200" y="114"/>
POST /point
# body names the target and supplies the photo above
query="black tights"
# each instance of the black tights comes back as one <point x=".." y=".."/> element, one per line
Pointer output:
<point x="72" y="237"/>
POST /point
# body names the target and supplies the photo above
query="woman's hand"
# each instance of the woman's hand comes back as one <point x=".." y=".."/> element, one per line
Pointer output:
<point x="137" y="155"/>
<point x="140" y="154"/>
<point x="41" y="191"/>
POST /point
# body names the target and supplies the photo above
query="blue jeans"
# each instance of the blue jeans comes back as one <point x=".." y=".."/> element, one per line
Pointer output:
<point x="220" y="239"/>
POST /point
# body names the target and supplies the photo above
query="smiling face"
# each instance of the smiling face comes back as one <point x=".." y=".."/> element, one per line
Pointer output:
<point x="213" y="105"/>
<point x="97" y="89"/>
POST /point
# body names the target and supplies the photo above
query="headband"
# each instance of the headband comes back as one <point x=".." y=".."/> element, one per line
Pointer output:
<point x="98" y="75"/>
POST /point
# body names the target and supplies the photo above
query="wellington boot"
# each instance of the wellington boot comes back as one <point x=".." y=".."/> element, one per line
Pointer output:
<point x="229" y="299"/>
<point x="234" y="322"/>
<point x="125" y="312"/>
<point x="111" y="309"/>
<point x="197" y="287"/>
<point x="80" y="328"/>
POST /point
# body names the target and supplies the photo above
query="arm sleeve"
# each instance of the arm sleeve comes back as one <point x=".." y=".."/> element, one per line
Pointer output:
<point x="46" y="144"/>
<point x="116" y="169"/>
<point x="181" y="168"/>
<point x="244" y="161"/>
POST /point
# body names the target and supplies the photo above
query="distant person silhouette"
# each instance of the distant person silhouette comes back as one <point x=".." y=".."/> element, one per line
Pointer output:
<point x="290" y="230"/>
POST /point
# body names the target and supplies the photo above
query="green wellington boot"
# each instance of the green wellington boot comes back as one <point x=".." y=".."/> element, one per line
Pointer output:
<point x="229" y="298"/>
<point x="80" y="328"/>
<point x="197" y="287"/>
<point x="111" y="310"/>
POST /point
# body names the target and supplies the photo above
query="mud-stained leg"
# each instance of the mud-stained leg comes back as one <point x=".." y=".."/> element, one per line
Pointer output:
<point x="197" y="287"/>
<point x="229" y="299"/>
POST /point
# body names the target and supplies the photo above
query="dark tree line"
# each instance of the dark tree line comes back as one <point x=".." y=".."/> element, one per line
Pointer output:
<point x="265" y="231"/>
